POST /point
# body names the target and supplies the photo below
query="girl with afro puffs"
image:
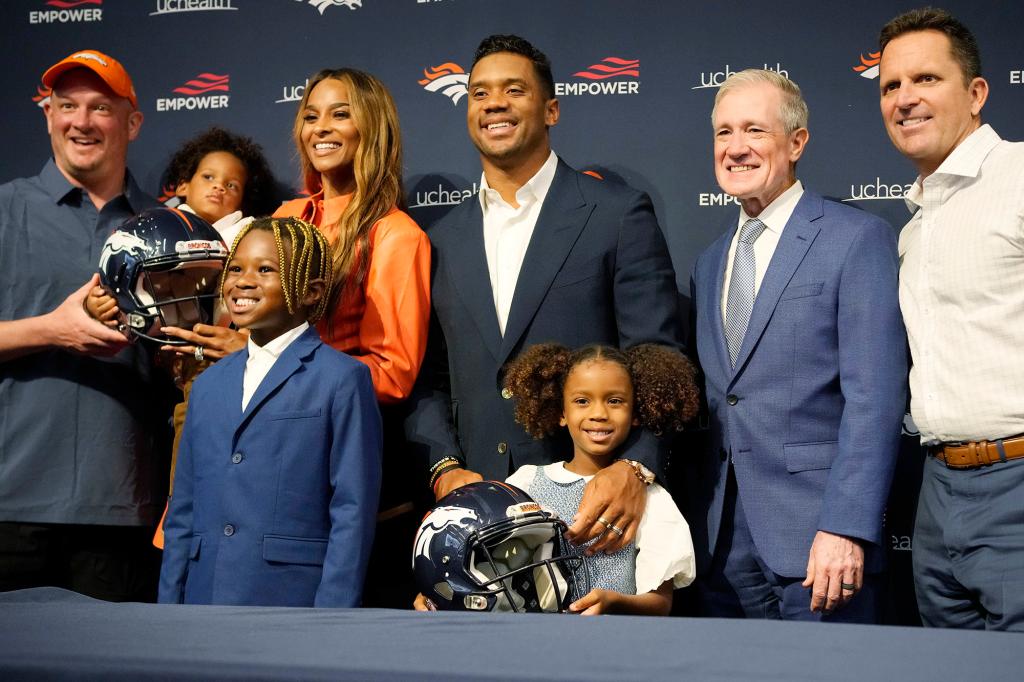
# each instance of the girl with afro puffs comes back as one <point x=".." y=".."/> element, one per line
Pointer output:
<point x="599" y="393"/>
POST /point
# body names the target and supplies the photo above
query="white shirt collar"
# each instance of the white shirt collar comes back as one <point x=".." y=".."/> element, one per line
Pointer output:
<point x="776" y="214"/>
<point x="965" y="161"/>
<point x="535" y="189"/>
<point x="276" y="346"/>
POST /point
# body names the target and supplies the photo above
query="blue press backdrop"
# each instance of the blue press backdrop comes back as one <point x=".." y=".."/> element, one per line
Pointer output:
<point x="242" y="64"/>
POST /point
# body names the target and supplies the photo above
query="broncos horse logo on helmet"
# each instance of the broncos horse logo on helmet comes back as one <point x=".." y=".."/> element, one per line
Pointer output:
<point x="162" y="267"/>
<point x="488" y="546"/>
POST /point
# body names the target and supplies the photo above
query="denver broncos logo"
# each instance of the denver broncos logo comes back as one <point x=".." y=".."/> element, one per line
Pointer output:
<point x="437" y="521"/>
<point x="203" y="83"/>
<point x="449" y="79"/>
<point x="322" y="5"/>
<point x="868" y="67"/>
<point x="121" y="242"/>
<point x="611" y="67"/>
<point x="42" y="97"/>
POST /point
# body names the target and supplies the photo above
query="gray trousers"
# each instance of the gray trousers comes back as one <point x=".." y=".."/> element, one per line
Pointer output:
<point x="968" y="552"/>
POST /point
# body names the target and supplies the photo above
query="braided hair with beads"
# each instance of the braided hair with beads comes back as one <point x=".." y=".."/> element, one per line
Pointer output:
<point x="310" y="259"/>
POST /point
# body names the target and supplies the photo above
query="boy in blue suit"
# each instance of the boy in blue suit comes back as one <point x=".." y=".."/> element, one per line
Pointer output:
<point x="278" y="474"/>
<point x="804" y="357"/>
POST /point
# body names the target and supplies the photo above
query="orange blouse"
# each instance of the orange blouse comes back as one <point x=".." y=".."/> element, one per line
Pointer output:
<point x="383" y="324"/>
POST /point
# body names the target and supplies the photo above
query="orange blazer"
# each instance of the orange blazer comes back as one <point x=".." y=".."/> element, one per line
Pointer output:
<point x="384" y="323"/>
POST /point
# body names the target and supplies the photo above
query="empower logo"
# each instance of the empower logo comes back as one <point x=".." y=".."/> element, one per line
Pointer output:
<point x="868" y="67"/>
<point x="197" y="95"/>
<point x="598" y="79"/>
<point x="450" y="79"/>
<point x="322" y="5"/>
<point x="67" y="11"/>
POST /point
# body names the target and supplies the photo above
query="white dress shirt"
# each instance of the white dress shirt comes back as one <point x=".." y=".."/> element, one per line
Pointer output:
<point x="774" y="216"/>
<point x="962" y="292"/>
<point x="262" y="358"/>
<point x="507" y="232"/>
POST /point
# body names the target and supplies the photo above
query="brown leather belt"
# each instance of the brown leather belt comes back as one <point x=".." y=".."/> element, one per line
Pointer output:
<point x="978" y="454"/>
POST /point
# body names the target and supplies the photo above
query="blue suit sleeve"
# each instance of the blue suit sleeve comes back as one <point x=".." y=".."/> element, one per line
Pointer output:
<point x="872" y="372"/>
<point x="355" y="475"/>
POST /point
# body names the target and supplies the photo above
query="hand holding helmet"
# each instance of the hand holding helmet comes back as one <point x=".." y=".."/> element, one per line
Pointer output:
<point x="488" y="546"/>
<point x="162" y="267"/>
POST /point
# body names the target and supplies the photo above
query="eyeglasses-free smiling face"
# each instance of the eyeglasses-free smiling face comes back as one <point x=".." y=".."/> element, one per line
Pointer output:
<point x="754" y="155"/>
<point x="597" y="408"/>
<point x="927" y="107"/>
<point x="330" y="137"/>
<point x="90" y="127"/>
<point x="509" y="112"/>
<point x="252" y="288"/>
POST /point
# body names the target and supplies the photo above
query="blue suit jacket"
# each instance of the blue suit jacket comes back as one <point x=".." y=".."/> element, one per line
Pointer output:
<point x="597" y="270"/>
<point x="275" y="505"/>
<point x="811" y="415"/>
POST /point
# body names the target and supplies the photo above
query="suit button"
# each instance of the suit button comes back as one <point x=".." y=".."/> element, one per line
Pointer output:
<point x="229" y="530"/>
<point x="506" y="393"/>
<point x="502" y="448"/>
<point x="236" y="458"/>
<point x="731" y="399"/>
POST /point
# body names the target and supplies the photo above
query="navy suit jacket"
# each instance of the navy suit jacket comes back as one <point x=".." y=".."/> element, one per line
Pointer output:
<point x="276" y="505"/>
<point x="597" y="270"/>
<point x="810" y="416"/>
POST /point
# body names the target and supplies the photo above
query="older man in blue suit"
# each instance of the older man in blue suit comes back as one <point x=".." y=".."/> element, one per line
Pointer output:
<point x="803" y="351"/>
<point x="544" y="253"/>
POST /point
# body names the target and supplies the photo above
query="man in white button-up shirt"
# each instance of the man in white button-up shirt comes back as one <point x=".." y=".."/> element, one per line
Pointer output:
<point x="962" y="298"/>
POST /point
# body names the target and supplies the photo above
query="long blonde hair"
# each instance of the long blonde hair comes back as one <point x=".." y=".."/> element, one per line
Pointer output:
<point x="377" y="169"/>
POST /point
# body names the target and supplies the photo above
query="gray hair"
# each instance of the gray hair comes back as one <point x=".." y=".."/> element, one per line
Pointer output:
<point x="793" y="110"/>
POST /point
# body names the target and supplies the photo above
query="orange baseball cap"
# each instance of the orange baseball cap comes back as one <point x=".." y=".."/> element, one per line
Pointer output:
<point x="104" y="66"/>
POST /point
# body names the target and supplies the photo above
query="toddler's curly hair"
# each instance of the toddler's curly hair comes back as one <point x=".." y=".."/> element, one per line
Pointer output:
<point x="665" y="393"/>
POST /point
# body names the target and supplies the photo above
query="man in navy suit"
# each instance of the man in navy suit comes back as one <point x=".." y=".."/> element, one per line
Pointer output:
<point x="544" y="253"/>
<point x="804" y="355"/>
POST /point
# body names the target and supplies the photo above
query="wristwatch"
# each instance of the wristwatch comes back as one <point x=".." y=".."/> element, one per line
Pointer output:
<point x="642" y="472"/>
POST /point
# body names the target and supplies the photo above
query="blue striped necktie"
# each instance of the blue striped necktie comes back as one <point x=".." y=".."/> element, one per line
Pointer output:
<point x="741" y="287"/>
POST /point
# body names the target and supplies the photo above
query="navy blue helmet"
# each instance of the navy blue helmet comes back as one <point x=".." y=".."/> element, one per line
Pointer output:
<point x="488" y="546"/>
<point x="163" y="267"/>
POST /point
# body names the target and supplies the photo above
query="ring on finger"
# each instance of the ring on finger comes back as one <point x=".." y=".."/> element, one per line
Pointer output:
<point x="198" y="353"/>
<point x="848" y="587"/>
<point x="606" y="522"/>
<point x="615" y="529"/>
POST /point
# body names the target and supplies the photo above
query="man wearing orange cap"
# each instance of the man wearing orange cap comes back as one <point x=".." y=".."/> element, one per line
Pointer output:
<point x="79" y="475"/>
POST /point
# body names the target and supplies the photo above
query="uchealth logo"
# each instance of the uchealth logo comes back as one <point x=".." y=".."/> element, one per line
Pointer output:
<point x="198" y="93"/>
<point x="292" y="93"/>
<point x="323" y="5"/>
<point x="714" y="79"/>
<point x="877" y="191"/>
<point x="450" y="79"/>
<point x="175" y="6"/>
<point x="442" y="196"/>
<point x="67" y="11"/>
<point x="610" y="76"/>
<point x="868" y="67"/>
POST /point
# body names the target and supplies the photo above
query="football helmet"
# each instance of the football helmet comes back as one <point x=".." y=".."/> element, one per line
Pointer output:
<point x="163" y="267"/>
<point x="488" y="546"/>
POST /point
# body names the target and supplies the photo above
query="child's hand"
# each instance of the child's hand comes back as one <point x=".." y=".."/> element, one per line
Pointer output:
<point x="102" y="306"/>
<point x="216" y="342"/>
<point x="595" y="602"/>
<point x="422" y="603"/>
